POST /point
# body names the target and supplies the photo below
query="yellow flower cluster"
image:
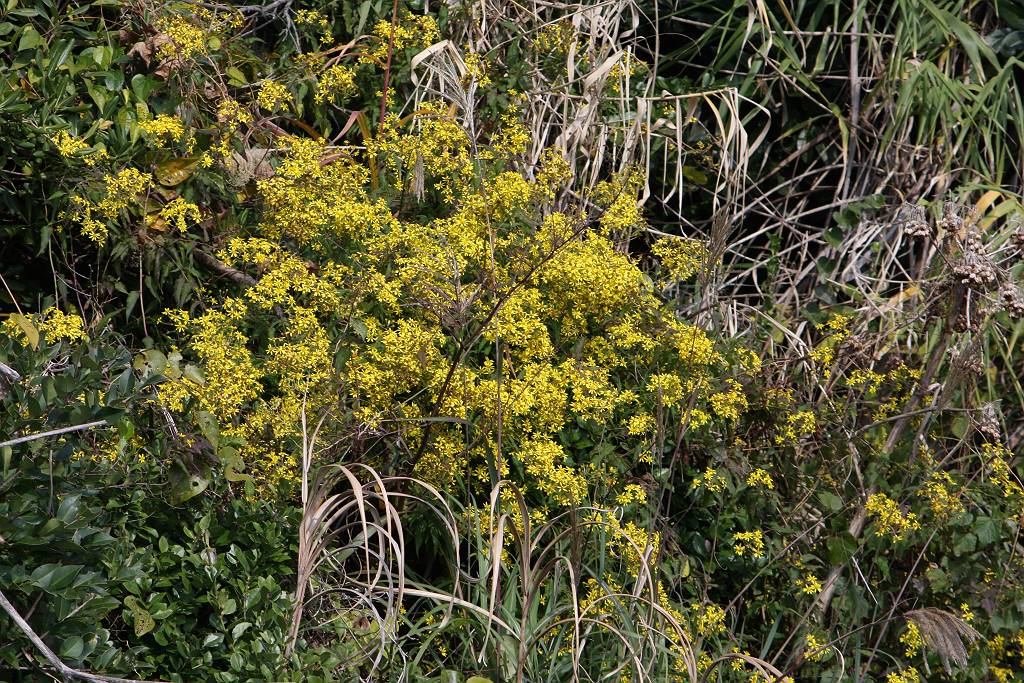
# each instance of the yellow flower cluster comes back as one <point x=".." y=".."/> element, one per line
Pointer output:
<point x="179" y="212"/>
<point x="621" y="215"/>
<point x="937" y="491"/>
<point x="808" y="584"/>
<point x="184" y="41"/>
<point x="711" y="480"/>
<point x="911" y="639"/>
<point x="163" y="128"/>
<point x="511" y="137"/>
<point x="908" y="675"/>
<point x="710" y="618"/>
<point x="543" y="459"/>
<point x="53" y="324"/>
<point x="869" y="380"/>
<point x="272" y="95"/>
<point x="888" y="517"/>
<point x="837" y="329"/>
<point x="729" y="405"/>
<point x="681" y="258"/>
<point x="476" y="70"/>
<point x="336" y="84"/>
<point x="409" y="31"/>
<point x="56" y="325"/>
<point x="122" y="190"/>
<point x="814" y="648"/>
<point x="667" y="389"/>
<point x="760" y="477"/>
<point x="998" y="458"/>
<point x="632" y="493"/>
<point x="799" y="424"/>
<point x="557" y="38"/>
<point x="695" y="347"/>
<point x="748" y="543"/>
<point x="622" y="71"/>
<point x="67" y="144"/>
<point x="315" y="19"/>
<point x="440" y="149"/>
<point x="310" y="201"/>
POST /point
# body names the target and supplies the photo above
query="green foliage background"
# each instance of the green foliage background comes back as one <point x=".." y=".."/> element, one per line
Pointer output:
<point x="787" y="140"/>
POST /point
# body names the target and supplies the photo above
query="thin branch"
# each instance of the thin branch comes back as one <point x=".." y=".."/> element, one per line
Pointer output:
<point x="65" y="670"/>
<point x="53" y="432"/>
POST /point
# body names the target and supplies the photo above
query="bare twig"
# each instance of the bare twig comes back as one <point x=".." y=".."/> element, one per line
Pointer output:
<point x="55" y="661"/>
<point x="53" y="432"/>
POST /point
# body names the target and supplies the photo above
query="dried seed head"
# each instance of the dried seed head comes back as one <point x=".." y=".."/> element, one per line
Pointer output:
<point x="1013" y="301"/>
<point x="988" y="422"/>
<point x="912" y="221"/>
<point x="975" y="269"/>
<point x="1017" y="237"/>
<point x="968" y="361"/>
<point x="970" y="322"/>
<point x="954" y="217"/>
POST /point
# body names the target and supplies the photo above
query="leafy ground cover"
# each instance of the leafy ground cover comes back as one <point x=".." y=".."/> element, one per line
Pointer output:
<point x="626" y="341"/>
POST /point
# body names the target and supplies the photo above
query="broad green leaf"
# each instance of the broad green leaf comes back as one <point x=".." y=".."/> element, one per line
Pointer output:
<point x="54" y="578"/>
<point x="27" y="326"/>
<point x="143" y="620"/>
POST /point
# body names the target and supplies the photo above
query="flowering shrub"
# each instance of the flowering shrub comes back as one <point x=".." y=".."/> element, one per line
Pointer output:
<point x="360" y="312"/>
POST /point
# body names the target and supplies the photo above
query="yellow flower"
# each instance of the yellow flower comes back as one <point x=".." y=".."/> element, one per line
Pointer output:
<point x="632" y="493"/>
<point x="729" y="405"/>
<point x="798" y="424"/>
<point x="640" y="425"/>
<point x="682" y="258"/>
<point x="912" y="639"/>
<point x="317" y="20"/>
<point x="177" y="213"/>
<point x="942" y="503"/>
<point x="908" y="675"/>
<point x="809" y="584"/>
<point x="273" y="95"/>
<point x="164" y="128"/>
<point x="965" y="613"/>
<point x="336" y="84"/>
<point x="760" y="477"/>
<point x="68" y="145"/>
<point x="814" y="649"/>
<point x="710" y="618"/>
<point x="888" y="517"/>
<point x="749" y="543"/>
<point x="185" y="40"/>
<point x="711" y="480"/>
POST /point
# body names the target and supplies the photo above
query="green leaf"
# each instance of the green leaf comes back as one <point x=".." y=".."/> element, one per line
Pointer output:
<point x="239" y="628"/>
<point x="176" y="171"/>
<point x="26" y="325"/>
<point x="831" y="501"/>
<point x="235" y="77"/>
<point x="213" y="639"/>
<point x="143" y="619"/>
<point x="965" y="544"/>
<point x="30" y="39"/>
<point x="53" y="578"/>
<point x="841" y="548"/>
<point x="72" y="648"/>
<point x="186" y="486"/>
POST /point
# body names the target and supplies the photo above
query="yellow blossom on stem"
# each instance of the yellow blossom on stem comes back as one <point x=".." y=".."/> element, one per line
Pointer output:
<point x="889" y="519"/>
<point x="760" y="477"/>
<point x="748" y="543"/>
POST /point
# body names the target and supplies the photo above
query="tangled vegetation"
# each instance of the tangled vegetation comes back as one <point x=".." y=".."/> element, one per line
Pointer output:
<point x="625" y="341"/>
